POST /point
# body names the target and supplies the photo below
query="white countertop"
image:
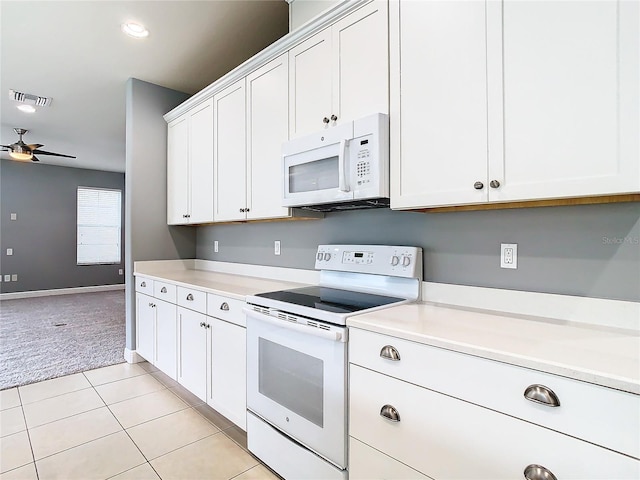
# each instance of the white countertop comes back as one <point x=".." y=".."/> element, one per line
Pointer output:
<point x="600" y="355"/>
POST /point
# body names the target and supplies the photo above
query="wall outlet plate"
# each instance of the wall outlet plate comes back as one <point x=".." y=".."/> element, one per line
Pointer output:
<point x="14" y="216"/>
<point x="509" y="255"/>
<point x="7" y="278"/>
<point x="276" y="247"/>
<point x="9" y="251"/>
<point x="14" y="277"/>
<point x="215" y="246"/>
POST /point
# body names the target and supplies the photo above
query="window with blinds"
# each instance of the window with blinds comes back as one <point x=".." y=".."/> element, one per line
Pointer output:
<point x="99" y="224"/>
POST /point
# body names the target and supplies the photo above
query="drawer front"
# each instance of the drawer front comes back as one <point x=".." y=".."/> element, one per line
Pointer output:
<point x="165" y="291"/>
<point x="225" y="308"/>
<point x="192" y="299"/>
<point x="366" y="463"/>
<point x="447" y="438"/>
<point x="144" y="285"/>
<point x="597" y="414"/>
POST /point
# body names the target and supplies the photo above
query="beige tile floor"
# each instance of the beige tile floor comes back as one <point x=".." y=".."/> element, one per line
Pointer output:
<point x="124" y="422"/>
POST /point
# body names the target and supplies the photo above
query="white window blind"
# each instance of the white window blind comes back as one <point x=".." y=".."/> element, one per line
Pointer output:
<point x="99" y="224"/>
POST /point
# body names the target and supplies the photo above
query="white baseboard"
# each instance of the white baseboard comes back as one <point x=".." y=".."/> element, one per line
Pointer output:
<point x="132" y="357"/>
<point x="60" y="291"/>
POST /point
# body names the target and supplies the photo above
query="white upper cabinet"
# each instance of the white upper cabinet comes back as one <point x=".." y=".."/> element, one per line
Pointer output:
<point x="230" y="153"/>
<point x="267" y="130"/>
<point x="190" y="166"/>
<point x="340" y="73"/>
<point x="514" y="100"/>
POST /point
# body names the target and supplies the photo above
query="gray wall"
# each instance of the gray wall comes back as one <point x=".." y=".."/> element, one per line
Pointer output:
<point x="43" y="237"/>
<point x="147" y="235"/>
<point x="590" y="250"/>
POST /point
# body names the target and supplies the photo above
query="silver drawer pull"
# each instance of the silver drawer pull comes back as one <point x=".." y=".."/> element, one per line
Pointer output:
<point x="390" y="353"/>
<point x="538" y="472"/>
<point x="202" y="324"/>
<point x="143" y="284"/>
<point x="224" y="306"/>
<point x="541" y="394"/>
<point x="390" y="412"/>
<point x="190" y="297"/>
<point x="163" y="290"/>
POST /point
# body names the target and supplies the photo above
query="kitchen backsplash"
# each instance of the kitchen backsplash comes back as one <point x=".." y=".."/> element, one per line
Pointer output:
<point x="589" y="250"/>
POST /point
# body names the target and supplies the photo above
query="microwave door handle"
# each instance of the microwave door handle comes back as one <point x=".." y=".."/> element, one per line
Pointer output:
<point x="342" y="166"/>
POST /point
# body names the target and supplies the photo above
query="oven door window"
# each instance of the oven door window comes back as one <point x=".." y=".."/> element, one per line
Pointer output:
<point x="292" y="379"/>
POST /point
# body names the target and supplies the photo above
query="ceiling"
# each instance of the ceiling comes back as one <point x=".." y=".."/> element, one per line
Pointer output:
<point x="75" y="53"/>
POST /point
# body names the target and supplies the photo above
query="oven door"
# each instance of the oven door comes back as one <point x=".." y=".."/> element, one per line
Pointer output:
<point x="296" y="381"/>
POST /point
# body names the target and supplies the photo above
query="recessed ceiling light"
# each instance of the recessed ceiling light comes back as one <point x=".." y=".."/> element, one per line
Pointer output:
<point x="135" y="30"/>
<point x="26" y="108"/>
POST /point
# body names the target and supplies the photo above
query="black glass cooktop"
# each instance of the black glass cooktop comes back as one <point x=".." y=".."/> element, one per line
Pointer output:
<point x="330" y="299"/>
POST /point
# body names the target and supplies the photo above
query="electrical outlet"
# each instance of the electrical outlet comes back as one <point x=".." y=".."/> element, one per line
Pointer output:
<point x="9" y="251"/>
<point x="276" y="247"/>
<point x="120" y="271"/>
<point x="215" y="246"/>
<point x="508" y="255"/>
<point x="7" y="278"/>
<point x="14" y="216"/>
<point x="14" y="277"/>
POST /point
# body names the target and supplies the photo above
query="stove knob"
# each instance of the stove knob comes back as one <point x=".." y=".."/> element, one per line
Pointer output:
<point x="395" y="260"/>
<point x="327" y="256"/>
<point x="319" y="256"/>
<point x="406" y="261"/>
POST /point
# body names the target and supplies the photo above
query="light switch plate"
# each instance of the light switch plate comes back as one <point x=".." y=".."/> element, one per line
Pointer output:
<point x="276" y="247"/>
<point x="14" y="216"/>
<point x="7" y="278"/>
<point x="9" y="251"/>
<point x="215" y="246"/>
<point x="14" y="277"/>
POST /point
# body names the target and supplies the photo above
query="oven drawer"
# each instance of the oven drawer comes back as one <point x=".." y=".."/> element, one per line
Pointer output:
<point x="594" y="413"/>
<point x="165" y="291"/>
<point x="226" y="308"/>
<point x="144" y="285"/>
<point x="444" y="437"/>
<point x="192" y="299"/>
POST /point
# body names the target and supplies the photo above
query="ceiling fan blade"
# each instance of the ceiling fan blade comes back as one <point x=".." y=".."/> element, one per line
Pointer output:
<point x="34" y="158"/>
<point x="42" y="152"/>
<point x="34" y="146"/>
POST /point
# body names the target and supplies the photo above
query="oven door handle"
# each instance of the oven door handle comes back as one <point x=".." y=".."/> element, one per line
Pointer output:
<point x="305" y="329"/>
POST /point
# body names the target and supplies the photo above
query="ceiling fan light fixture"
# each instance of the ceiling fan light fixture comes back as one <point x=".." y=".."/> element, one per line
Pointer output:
<point x="26" y="108"/>
<point x="24" y="155"/>
<point x="135" y="30"/>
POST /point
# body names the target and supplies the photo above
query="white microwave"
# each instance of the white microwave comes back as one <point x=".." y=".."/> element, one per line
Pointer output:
<point x="342" y="167"/>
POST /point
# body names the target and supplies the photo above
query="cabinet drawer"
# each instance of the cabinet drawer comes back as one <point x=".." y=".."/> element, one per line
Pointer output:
<point x="594" y="413"/>
<point x="165" y="291"/>
<point x="366" y="463"/>
<point x="444" y="437"/>
<point x="225" y="308"/>
<point x="192" y="299"/>
<point x="144" y="285"/>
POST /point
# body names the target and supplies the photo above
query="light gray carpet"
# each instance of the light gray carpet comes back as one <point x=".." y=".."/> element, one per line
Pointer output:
<point x="48" y="337"/>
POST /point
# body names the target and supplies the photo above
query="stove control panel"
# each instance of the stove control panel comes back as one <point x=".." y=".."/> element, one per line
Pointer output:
<point x="399" y="261"/>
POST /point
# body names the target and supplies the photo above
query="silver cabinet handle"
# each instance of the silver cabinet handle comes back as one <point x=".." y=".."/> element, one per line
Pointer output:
<point x="334" y="118"/>
<point x="390" y="353"/>
<point x="143" y="284"/>
<point x="389" y="412"/>
<point x="538" y="472"/>
<point x="208" y="325"/>
<point x="202" y="324"/>
<point x="163" y="290"/>
<point x="242" y="210"/>
<point x="190" y="297"/>
<point x="494" y="183"/>
<point x="246" y="209"/>
<point x="325" y="120"/>
<point x="541" y="394"/>
<point x="478" y="185"/>
<point x="150" y="304"/>
<point x="224" y="306"/>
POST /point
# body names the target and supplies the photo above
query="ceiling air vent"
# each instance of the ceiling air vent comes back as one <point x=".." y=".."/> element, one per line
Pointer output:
<point x="29" y="98"/>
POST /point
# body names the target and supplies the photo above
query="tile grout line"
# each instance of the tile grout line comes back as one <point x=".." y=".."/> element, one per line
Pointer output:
<point x="26" y="427"/>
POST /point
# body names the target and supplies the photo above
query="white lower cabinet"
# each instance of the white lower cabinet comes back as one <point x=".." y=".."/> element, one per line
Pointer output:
<point x="145" y="326"/>
<point x="228" y="393"/>
<point x="455" y="416"/>
<point x="193" y="348"/>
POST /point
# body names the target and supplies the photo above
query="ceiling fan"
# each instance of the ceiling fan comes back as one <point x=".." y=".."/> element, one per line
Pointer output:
<point x="21" y="151"/>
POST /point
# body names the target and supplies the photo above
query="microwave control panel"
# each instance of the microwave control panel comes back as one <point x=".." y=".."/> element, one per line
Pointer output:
<point x="361" y="153"/>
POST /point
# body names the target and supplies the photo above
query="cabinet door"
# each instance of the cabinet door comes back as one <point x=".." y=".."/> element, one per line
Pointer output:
<point x="201" y="163"/>
<point x="230" y="153"/>
<point x="178" y="171"/>
<point x="267" y="130"/>
<point x="166" y="344"/>
<point x="438" y="104"/>
<point x="228" y="371"/>
<point x="360" y="44"/>
<point x="310" y="88"/>
<point x="145" y="326"/>
<point x="571" y="99"/>
<point x="192" y="363"/>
